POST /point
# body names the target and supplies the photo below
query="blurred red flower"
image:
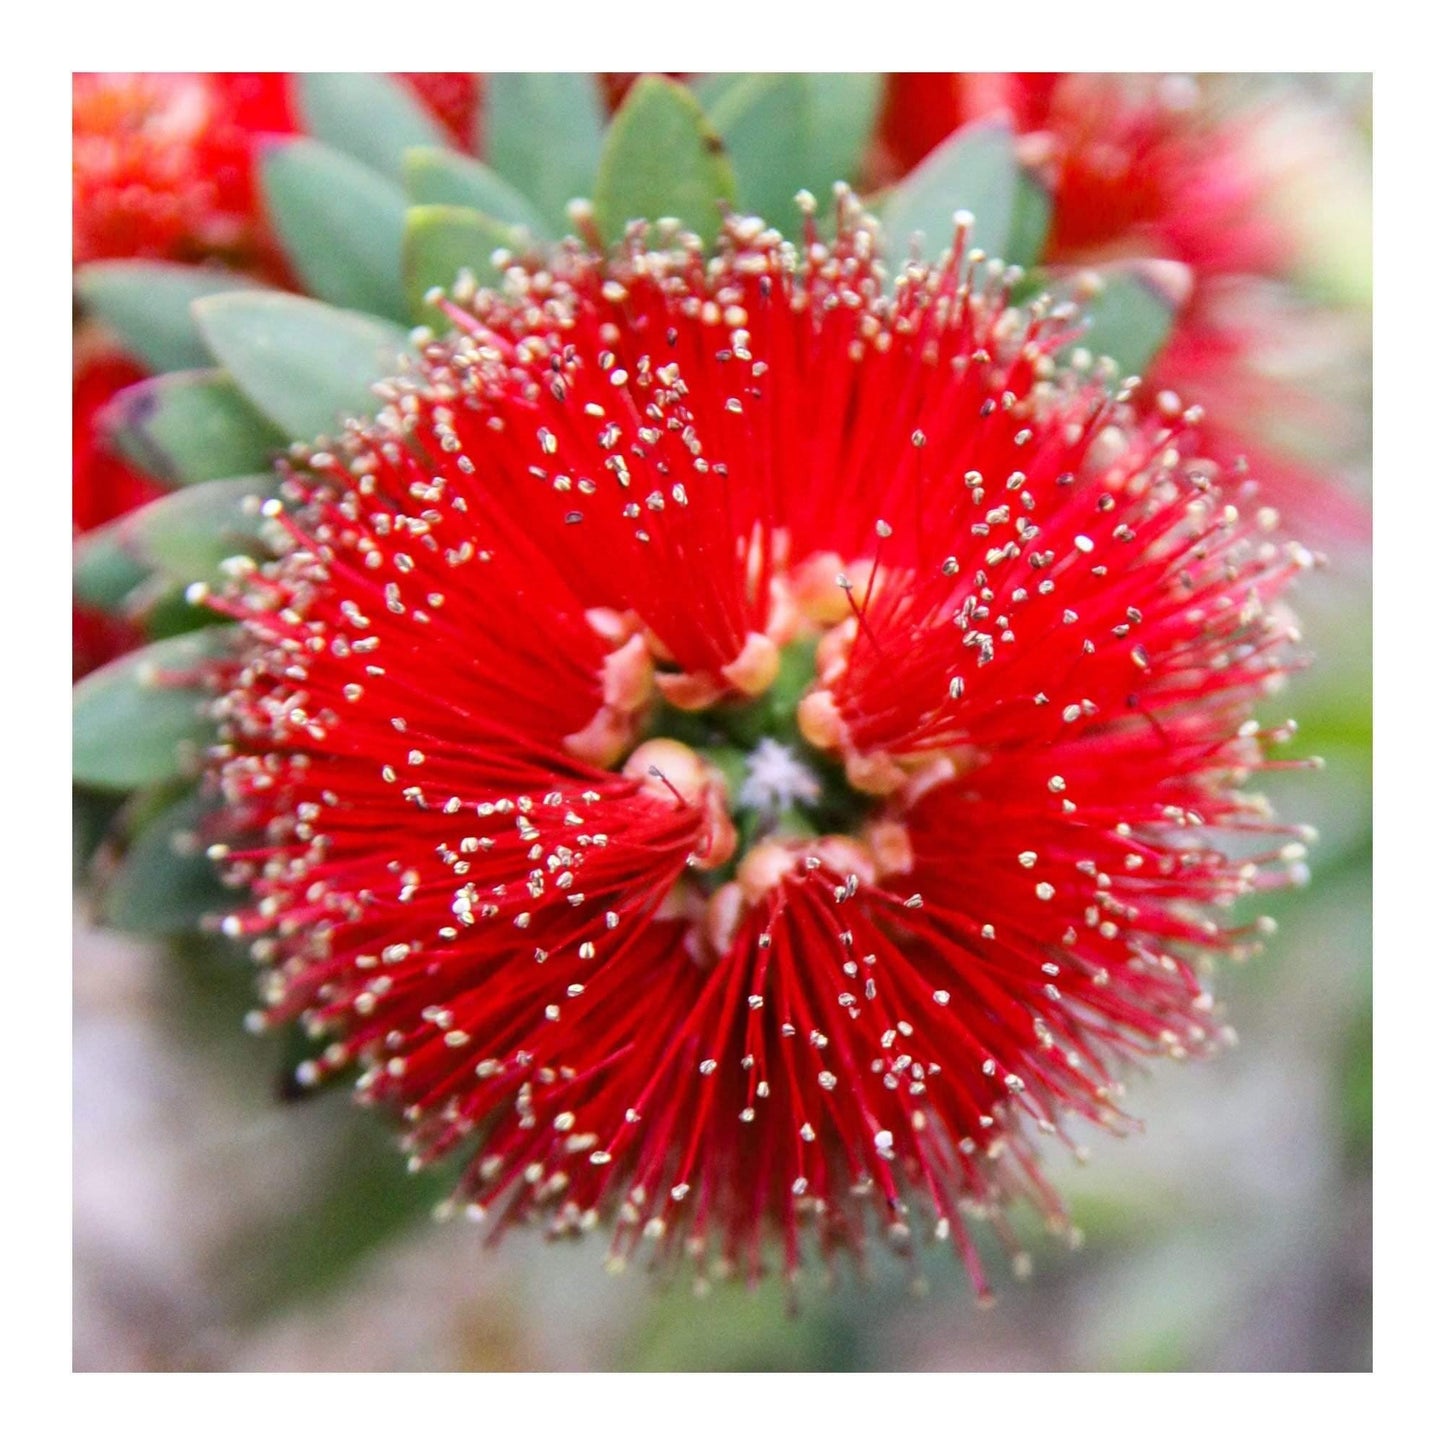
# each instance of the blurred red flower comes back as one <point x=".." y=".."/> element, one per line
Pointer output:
<point x="162" y="166"/>
<point x="102" y="487"/>
<point x="1138" y="167"/>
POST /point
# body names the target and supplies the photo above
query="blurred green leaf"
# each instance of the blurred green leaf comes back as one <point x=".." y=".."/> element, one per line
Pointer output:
<point x="662" y="158"/>
<point x="307" y="365"/>
<point x="132" y="718"/>
<point x="368" y="1198"/>
<point x="91" y="816"/>
<point x="162" y="608"/>
<point x="190" y="426"/>
<point x="165" y="882"/>
<point x="372" y="118"/>
<point x="710" y="88"/>
<point x="1033" y="215"/>
<point x="544" y="136"/>
<point x="104" y="569"/>
<point x="843" y="109"/>
<point x="147" y="304"/>
<point x="445" y="178"/>
<point x="1133" y="313"/>
<point x="210" y="988"/>
<point x="786" y="132"/>
<point x="340" y="224"/>
<point x="974" y="170"/>
<point x="764" y="120"/>
<point x="187" y="535"/>
<point x="443" y="241"/>
<point x="735" y="1328"/>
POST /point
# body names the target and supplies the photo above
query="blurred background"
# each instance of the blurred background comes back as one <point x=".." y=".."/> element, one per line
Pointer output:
<point x="220" y="1224"/>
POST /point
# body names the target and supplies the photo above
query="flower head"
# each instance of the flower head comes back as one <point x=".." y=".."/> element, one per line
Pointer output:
<point x="162" y="165"/>
<point x="738" y="749"/>
<point x="1137" y="166"/>
<point x="1143" y="166"/>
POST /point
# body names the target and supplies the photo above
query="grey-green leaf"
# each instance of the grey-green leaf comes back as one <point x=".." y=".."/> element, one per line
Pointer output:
<point x="135" y="720"/>
<point x="147" y="304"/>
<point x="842" y="112"/>
<point x="190" y="426"/>
<point x="340" y="224"/>
<point x="1132" y="315"/>
<point x="790" y="132"/>
<point x="187" y="535"/>
<point x="306" y="365"/>
<point x="443" y="241"/>
<point x="711" y="87"/>
<point x="447" y="178"/>
<point x="764" y="121"/>
<point x="544" y="136"/>
<point x="1033" y="215"/>
<point x="662" y="158"/>
<point x="974" y="170"/>
<point x="372" y="118"/>
<point x="166" y="883"/>
<point x="104" y="571"/>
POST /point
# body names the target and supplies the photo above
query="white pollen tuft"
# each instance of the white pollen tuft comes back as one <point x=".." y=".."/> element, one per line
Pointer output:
<point x="776" y="779"/>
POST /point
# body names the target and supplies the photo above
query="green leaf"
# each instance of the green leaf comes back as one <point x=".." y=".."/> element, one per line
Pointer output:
<point x="339" y="223"/>
<point x="104" y="569"/>
<point x="190" y="426"/>
<point x="662" y="158"/>
<point x="789" y="132"/>
<point x="187" y="535"/>
<point x="372" y="118"/>
<point x="544" y="136"/>
<point x="1033" y="215"/>
<point x="764" y="121"/>
<point x="132" y="718"/>
<point x="307" y="366"/>
<point x="710" y="88"/>
<point x="91" y="817"/>
<point x="1132" y="315"/>
<point x="443" y="241"/>
<point x="148" y="306"/>
<point x="166" y="883"/>
<point x="445" y="178"/>
<point x="161" y="606"/>
<point x="842" y="112"/>
<point x="366" y="1202"/>
<point x="973" y="170"/>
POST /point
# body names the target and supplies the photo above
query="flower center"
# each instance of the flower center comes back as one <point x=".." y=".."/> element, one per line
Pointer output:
<point x="777" y="784"/>
<point x="777" y="780"/>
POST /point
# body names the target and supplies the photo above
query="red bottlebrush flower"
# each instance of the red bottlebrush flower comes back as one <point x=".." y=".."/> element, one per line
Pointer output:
<point x="1230" y="354"/>
<point x="1141" y="172"/>
<point x="102" y="487"/>
<point x="162" y="166"/>
<point x="258" y="101"/>
<point x="739" y="750"/>
<point x="921" y="109"/>
<point x="1136" y="168"/>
